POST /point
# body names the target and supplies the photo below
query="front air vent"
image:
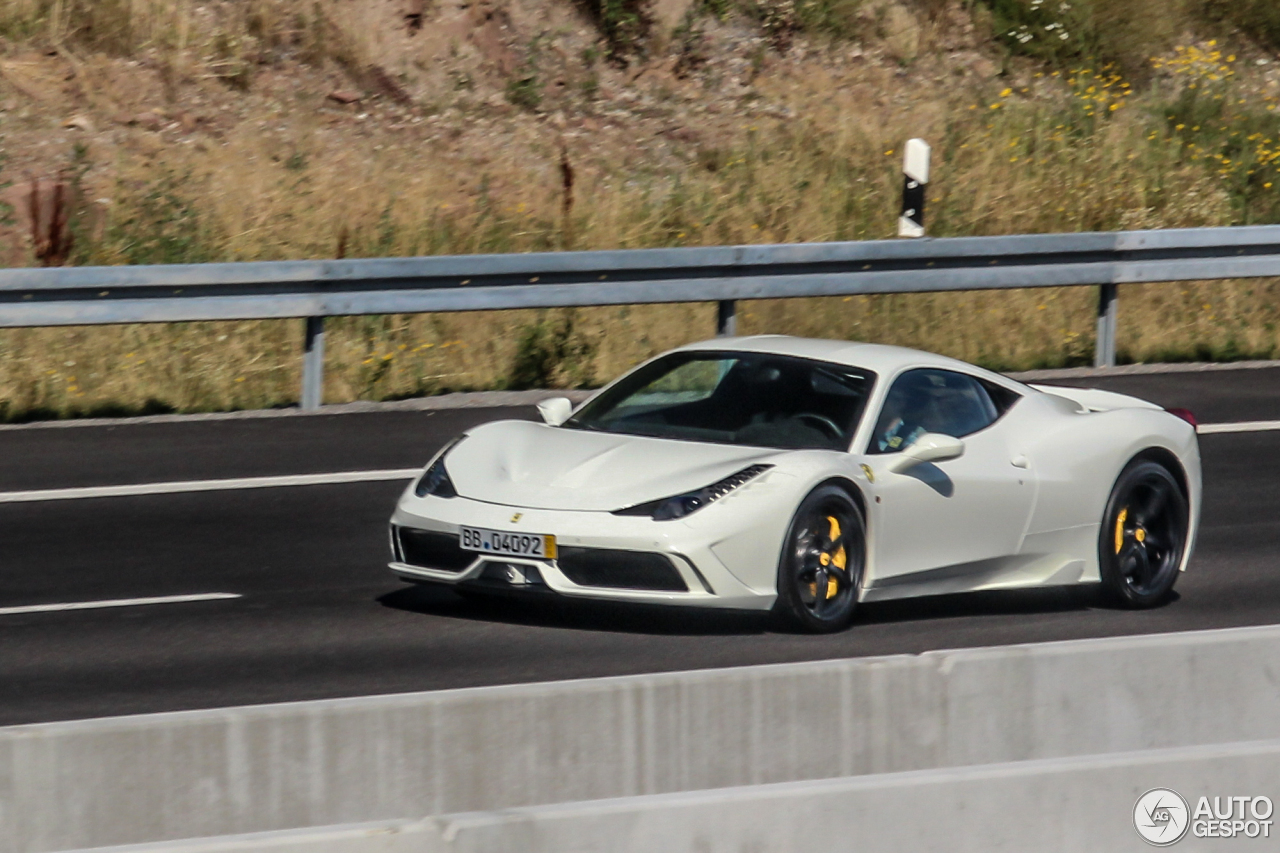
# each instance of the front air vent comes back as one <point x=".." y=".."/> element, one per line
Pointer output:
<point x="614" y="569"/>
<point x="429" y="549"/>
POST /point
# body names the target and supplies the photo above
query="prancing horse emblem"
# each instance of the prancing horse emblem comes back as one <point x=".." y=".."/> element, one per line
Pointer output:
<point x="517" y="517"/>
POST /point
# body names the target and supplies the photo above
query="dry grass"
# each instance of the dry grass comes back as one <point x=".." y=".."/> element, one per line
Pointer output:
<point x="1052" y="156"/>
<point x="133" y="27"/>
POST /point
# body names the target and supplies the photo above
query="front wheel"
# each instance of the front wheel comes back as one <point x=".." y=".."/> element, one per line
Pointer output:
<point x="820" y="567"/>
<point x="1144" y="534"/>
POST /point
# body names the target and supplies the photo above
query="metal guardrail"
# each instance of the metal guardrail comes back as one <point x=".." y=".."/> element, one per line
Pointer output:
<point x="327" y="288"/>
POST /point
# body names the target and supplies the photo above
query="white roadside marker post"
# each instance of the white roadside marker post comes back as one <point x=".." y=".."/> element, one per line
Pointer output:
<point x="915" y="169"/>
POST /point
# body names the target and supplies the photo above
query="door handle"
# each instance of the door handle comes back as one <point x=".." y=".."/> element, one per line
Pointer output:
<point x="1020" y="461"/>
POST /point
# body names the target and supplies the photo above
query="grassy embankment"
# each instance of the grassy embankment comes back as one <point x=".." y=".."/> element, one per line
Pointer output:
<point x="1116" y="126"/>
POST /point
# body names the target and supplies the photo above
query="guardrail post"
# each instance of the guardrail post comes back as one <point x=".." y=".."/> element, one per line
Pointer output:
<point x="1104" y="349"/>
<point x="313" y="364"/>
<point x="726" y="319"/>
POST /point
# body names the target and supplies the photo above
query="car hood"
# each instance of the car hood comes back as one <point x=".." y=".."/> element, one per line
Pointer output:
<point x="533" y="465"/>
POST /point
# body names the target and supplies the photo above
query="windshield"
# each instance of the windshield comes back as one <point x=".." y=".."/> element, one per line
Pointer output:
<point x="754" y="399"/>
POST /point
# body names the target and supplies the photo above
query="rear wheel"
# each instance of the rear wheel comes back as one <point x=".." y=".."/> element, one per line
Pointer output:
<point x="820" y="568"/>
<point x="1144" y="534"/>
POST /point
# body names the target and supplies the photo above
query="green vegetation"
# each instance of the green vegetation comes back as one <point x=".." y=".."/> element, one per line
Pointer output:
<point x="552" y="354"/>
<point x="6" y="209"/>
<point x="1237" y="138"/>
<point x="525" y="91"/>
<point x="625" y="25"/>
<point x="1122" y="33"/>
<point x="1260" y="19"/>
<point x="159" y="223"/>
<point x="838" y="18"/>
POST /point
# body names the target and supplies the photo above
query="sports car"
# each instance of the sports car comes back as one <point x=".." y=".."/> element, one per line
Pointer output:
<point x="805" y="476"/>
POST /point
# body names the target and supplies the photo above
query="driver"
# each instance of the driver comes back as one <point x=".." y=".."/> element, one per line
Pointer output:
<point x="903" y="421"/>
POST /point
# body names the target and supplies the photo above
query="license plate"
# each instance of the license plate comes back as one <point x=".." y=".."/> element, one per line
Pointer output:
<point x="508" y="544"/>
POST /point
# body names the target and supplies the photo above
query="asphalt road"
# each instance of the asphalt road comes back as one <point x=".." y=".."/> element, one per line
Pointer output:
<point x="320" y="615"/>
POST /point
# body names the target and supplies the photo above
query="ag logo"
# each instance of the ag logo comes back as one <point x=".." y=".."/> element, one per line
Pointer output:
<point x="1161" y="817"/>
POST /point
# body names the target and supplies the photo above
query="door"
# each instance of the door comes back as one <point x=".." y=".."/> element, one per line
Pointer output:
<point x="959" y="515"/>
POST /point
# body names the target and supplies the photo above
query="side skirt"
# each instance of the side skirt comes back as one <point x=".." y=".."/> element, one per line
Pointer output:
<point x="1017" y="572"/>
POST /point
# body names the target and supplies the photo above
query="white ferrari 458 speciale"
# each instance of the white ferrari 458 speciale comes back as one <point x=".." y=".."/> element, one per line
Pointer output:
<point x="806" y="476"/>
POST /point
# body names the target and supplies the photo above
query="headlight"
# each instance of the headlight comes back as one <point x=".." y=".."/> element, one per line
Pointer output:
<point x="678" y="506"/>
<point x="435" y="480"/>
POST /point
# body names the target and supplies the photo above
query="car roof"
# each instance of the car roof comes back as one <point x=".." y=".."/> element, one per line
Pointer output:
<point x="880" y="358"/>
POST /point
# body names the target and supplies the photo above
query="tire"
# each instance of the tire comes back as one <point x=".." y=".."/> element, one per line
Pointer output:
<point x="1143" y="537"/>
<point x="815" y="593"/>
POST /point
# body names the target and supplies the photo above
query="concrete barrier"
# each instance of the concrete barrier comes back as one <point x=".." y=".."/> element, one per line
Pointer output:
<point x="401" y="836"/>
<point x="1056" y="805"/>
<point x="1046" y="805"/>
<point x="238" y="770"/>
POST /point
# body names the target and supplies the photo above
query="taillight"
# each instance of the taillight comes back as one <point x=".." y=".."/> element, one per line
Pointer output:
<point x="1185" y="414"/>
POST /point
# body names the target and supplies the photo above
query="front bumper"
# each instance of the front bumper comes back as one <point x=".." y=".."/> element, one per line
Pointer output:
<point x="708" y="582"/>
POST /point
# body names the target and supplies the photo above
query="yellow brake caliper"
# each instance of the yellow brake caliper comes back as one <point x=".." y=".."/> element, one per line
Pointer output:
<point x="1120" y="520"/>
<point x="838" y="559"/>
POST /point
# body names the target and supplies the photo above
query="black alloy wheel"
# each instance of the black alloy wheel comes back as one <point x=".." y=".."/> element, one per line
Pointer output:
<point x="820" y="568"/>
<point x="1144" y="533"/>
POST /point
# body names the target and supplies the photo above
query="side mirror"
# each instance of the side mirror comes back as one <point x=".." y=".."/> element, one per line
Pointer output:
<point x="930" y="447"/>
<point x="556" y="410"/>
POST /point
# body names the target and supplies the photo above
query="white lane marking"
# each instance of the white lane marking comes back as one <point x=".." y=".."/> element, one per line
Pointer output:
<point x="208" y="485"/>
<point x="1242" y="426"/>
<point x="116" y="602"/>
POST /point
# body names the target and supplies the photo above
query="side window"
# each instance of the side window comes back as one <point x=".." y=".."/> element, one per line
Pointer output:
<point x="1001" y="397"/>
<point x="929" y="400"/>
